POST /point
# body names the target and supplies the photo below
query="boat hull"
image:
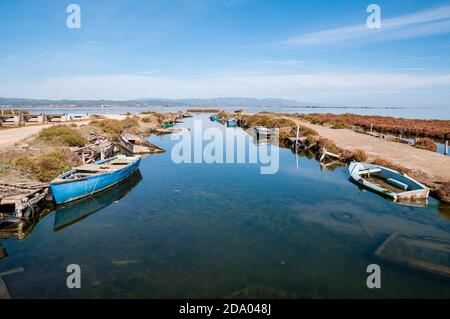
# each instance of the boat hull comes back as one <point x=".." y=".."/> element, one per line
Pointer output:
<point x="231" y="123"/>
<point x="68" y="191"/>
<point x="134" y="149"/>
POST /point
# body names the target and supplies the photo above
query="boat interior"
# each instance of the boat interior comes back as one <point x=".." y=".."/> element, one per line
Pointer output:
<point x="390" y="181"/>
<point x="100" y="167"/>
<point x="133" y="139"/>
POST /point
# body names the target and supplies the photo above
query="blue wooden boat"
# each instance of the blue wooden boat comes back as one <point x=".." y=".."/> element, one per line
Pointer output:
<point x="86" y="180"/>
<point x="387" y="182"/>
<point x="232" y="122"/>
<point x="214" y="118"/>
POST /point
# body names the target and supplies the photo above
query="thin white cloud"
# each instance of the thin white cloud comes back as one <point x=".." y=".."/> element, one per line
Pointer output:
<point x="292" y="86"/>
<point x="418" y="24"/>
<point x="290" y="63"/>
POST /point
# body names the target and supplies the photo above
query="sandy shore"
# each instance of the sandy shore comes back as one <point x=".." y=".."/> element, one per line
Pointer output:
<point x="9" y="137"/>
<point x="434" y="165"/>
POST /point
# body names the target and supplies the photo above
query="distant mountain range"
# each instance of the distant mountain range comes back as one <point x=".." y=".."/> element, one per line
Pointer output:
<point x="223" y="101"/>
<point x="159" y="102"/>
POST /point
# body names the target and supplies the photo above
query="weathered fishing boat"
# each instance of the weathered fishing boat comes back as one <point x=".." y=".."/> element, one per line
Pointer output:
<point x="136" y="145"/>
<point x="232" y="122"/>
<point x="214" y="118"/>
<point x="88" y="179"/>
<point x="387" y="182"/>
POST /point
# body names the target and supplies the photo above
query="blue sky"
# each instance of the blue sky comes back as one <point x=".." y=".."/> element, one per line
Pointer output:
<point x="316" y="52"/>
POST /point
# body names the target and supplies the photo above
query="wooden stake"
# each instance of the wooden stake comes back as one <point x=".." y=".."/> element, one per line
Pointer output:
<point x="446" y="148"/>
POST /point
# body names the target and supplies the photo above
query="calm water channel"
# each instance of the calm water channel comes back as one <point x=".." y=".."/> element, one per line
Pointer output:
<point x="224" y="230"/>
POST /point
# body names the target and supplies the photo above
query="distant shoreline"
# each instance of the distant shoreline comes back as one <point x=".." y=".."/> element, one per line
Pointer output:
<point x="68" y="106"/>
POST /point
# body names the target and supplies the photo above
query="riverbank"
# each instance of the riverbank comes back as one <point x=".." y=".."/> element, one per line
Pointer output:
<point x="12" y="136"/>
<point x="428" y="167"/>
<point x="39" y="153"/>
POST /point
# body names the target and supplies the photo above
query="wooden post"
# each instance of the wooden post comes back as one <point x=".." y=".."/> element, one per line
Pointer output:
<point x="102" y="154"/>
<point x="83" y="157"/>
<point x="298" y="136"/>
<point x="371" y="128"/>
<point x="446" y="148"/>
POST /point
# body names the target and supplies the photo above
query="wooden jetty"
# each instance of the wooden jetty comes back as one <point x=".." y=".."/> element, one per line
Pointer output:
<point x="58" y="118"/>
<point x="17" y="119"/>
<point x="34" y="119"/>
<point x="10" y="120"/>
<point x="21" y="199"/>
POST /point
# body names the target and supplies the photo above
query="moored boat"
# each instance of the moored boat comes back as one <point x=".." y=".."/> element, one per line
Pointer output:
<point x="232" y="122"/>
<point x="168" y="124"/>
<point x="89" y="179"/>
<point x="387" y="182"/>
<point x="137" y="145"/>
<point x="262" y="130"/>
<point x="214" y="118"/>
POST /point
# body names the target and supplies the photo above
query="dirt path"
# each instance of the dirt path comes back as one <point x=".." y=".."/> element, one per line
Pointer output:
<point x="10" y="136"/>
<point x="435" y="165"/>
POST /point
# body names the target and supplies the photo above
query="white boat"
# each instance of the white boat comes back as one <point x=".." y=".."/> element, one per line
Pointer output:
<point x="136" y="145"/>
<point x="387" y="182"/>
<point x="263" y="130"/>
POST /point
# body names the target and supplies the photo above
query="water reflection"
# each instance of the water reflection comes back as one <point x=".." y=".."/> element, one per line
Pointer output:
<point x="12" y="227"/>
<point x="70" y="214"/>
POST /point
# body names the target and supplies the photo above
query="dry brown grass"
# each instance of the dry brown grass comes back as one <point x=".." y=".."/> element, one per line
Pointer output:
<point x="265" y="120"/>
<point x="339" y="125"/>
<point x="388" y="164"/>
<point x="426" y="143"/>
<point x="356" y="155"/>
<point x="42" y="166"/>
<point x="63" y="135"/>
<point x="115" y="127"/>
<point x="384" y="124"/>
<point x="329" y="146"/>
<point x="443" y="193"/>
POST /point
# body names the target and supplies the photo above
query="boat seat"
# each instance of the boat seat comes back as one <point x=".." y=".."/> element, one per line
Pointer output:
<point x="370" y="171"/>
<point x="397" y="183"/>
